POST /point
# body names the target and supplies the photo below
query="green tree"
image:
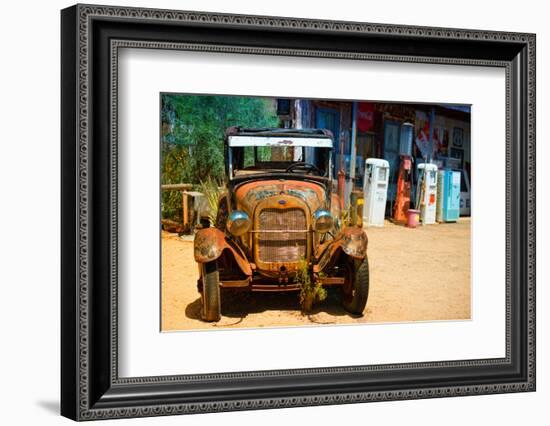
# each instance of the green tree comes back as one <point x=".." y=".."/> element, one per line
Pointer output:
<point x="193" y="129"/>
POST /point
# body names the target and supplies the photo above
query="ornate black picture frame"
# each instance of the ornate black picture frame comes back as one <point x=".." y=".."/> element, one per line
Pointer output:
<point x="91" y="387"/>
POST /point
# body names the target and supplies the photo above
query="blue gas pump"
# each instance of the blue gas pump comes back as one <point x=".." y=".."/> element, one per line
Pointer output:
<point x="448" y="196"/>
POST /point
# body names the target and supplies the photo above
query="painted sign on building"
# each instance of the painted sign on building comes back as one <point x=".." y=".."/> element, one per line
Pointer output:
<point x="365" y="117"/>
<point x="423" y="134"/>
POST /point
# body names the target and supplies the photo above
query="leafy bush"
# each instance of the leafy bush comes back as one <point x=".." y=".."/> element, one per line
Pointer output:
<point x="192" y="136"/>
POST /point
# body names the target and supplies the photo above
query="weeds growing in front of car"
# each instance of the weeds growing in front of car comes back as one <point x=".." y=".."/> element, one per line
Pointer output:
<point x="212" y="192"/>
<point x="311" y="291"/>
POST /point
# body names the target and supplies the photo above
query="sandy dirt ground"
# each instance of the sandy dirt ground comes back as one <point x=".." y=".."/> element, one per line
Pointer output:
<point x="418" y="274"/>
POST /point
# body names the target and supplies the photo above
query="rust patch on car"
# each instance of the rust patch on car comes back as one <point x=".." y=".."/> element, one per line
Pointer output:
<point x="250" y="194"/>
<point x="354" y="242"/>
<point x="208" y="245"/>
<point x="351" y="240"/>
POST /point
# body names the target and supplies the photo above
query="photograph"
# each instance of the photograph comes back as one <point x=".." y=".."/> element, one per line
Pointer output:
<point x="282" y="212"/>
<point x="288" y="207"/>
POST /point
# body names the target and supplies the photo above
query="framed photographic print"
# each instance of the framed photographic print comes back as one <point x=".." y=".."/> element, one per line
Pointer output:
<point x="263" y="212"/>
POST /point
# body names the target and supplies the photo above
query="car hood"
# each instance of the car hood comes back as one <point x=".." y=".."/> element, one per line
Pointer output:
<point x="250" y="194"/>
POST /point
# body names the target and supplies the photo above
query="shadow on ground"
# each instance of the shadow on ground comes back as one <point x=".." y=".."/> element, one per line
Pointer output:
<point x="239" y="304"/>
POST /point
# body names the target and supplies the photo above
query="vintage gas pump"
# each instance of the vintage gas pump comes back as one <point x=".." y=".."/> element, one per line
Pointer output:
<point x="403" y="196"/>
<point x="448" y="195"/>
<point x="426" y="192"/>
<point x="404" y="178"/>
<point x="375" y="188"/>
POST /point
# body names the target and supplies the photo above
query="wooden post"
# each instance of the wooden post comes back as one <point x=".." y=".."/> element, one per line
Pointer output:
<point x="353" y="148"/>
<point x="432" y="124"/>
<point x="185" y="189"/>
<point x="185" y="202"/>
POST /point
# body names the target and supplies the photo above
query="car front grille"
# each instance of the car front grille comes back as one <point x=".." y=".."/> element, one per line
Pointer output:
<point x="282" y="235"/>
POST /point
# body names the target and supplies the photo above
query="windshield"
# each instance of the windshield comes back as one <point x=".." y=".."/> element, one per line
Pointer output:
<point x="292" y="159"/>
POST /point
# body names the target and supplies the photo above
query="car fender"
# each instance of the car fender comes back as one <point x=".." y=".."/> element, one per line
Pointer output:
<point x="354" y="241"/>
<point x="210" y="244"/>
<point x="351" y="240"/>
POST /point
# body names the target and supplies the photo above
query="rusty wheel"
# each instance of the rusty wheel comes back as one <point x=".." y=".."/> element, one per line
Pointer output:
<point x="210" y="296"/>
<point x="355" y="290"/>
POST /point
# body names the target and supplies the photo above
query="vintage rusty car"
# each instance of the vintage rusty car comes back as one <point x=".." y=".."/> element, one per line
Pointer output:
<point x="279" y="212"/>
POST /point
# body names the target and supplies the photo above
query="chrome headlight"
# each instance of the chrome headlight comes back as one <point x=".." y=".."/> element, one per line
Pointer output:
<point x="322" y="221"/>
<point x="238" y="223"/>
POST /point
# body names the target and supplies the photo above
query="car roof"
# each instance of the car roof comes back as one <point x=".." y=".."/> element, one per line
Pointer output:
<point x="268" y="131"/>
<point x="236" y="136"/>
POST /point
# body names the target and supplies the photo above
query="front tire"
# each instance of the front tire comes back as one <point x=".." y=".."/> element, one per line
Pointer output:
<point x="356" y="287"/>
<point x="211" y="300"/>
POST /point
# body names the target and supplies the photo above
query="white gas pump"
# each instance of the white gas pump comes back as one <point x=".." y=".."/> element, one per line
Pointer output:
<point x="375" y="187"/>
<point x="426" y="192"/>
